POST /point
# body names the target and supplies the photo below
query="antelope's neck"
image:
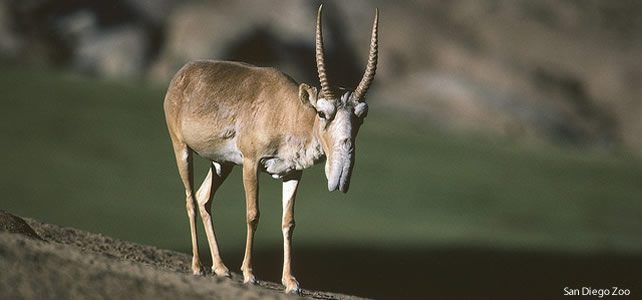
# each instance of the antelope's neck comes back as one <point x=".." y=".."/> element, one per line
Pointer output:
<point x="315" y="146"/>
<point x="312" y="152"/>
<point x="297" y="152"/>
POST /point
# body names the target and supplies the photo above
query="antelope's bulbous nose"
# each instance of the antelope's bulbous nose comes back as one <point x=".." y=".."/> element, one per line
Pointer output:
<point x="340" y="168"/>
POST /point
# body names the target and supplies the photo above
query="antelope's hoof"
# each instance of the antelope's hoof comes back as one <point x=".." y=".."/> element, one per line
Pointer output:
<point x="196" y="267"/>
<point x="291" y="286"/>
<point x="221" y="271"/>
<point x="248" y="278"/>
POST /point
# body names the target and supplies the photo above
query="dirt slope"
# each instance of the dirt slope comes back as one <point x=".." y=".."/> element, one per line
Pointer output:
<point x="72" y="264"/>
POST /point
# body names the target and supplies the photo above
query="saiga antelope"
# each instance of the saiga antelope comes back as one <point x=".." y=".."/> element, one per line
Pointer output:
<point x="234" y="113"/>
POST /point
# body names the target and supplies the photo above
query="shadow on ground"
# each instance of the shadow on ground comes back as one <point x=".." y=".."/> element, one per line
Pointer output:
<point x="442" y="273"/>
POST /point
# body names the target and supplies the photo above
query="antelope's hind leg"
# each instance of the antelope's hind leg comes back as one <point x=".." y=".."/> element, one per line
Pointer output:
<point x="204" y="195"/>
<point x="185" y="166"/>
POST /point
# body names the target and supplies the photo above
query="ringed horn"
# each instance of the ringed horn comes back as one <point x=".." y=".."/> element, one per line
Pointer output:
<point x="371" y="67"/>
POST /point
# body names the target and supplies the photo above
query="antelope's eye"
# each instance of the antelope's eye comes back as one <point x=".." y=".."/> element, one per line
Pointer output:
<point x="322" y="115"/>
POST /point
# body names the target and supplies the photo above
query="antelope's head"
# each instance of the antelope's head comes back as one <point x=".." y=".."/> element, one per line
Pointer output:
<point x="340" y="112"/>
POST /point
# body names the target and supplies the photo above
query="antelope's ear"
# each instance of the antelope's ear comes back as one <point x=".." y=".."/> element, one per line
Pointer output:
<point x="308" y="94"/>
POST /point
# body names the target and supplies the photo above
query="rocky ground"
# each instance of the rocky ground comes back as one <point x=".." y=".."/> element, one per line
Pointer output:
<point x="44" y="261"/>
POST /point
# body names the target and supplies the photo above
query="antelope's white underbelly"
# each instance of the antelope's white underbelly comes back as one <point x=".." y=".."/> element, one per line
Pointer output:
<point x="224" y="152"/>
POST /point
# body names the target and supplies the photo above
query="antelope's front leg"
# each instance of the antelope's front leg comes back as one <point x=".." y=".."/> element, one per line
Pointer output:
<point x="251" y="186"/>
<point x="290" y="185"/>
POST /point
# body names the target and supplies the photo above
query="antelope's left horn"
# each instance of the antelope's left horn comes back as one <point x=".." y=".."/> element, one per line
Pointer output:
<point x="371" y="67"/>
<point x="320" y="55"/>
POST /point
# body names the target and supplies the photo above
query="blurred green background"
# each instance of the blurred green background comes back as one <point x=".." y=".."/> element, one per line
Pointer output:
<point x="96" y="155"/>
<point x="488" y="203"/>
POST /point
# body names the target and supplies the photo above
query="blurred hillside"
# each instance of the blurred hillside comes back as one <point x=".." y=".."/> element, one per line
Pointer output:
<point x="569" y="72"/>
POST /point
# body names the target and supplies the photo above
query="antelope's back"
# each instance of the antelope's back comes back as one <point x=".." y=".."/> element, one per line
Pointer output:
<point x="210" y="88"/>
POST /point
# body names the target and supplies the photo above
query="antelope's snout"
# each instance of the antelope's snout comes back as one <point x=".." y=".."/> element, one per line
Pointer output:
<point x="339" y="166"/>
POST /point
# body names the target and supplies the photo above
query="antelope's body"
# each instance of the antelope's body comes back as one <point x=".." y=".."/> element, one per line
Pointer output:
<point x="266" y="123"/>
<point x="259" y="118"/>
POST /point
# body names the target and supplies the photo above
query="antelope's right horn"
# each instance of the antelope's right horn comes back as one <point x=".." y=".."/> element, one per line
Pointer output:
<point x="371" y="68"/>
